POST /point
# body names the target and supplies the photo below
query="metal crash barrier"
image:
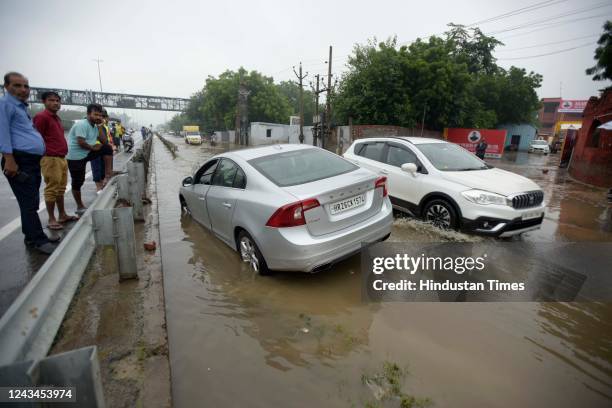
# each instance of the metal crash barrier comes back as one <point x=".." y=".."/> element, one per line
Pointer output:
<point x="29" y="326"/>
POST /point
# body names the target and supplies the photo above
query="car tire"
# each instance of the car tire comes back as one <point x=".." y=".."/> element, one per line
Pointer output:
<point x="250" y="253"/>
<point x="441" y="214"/>
<point x="183" y="204"/>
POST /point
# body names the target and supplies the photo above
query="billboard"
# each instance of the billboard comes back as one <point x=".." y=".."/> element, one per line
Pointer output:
<point x="572" y="106"/>
<point x="469" y="138"/>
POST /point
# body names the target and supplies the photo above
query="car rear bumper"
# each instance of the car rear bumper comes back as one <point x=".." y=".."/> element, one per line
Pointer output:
<point x="497" y="227"/>
<point x="294" y="249"/>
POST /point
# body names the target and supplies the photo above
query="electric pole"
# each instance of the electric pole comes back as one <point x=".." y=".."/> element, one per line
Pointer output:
<point x="423" y="120"/>
<point x="328" y="105"/>
<point x="98" y="60"/>
<point x="317" y="125"/>
<point x="300" y="79"/>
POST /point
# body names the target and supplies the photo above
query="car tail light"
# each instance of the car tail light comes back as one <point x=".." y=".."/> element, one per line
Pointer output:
<point x="292" y="215"/>
<point x="382" y="182"/>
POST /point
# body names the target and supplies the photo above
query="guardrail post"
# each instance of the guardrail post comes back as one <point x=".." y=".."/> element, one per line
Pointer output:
<point x="76" y="369"/>
<point x="135" y="190"/>
<point x="123" y="187"/>
<point x="125" y="239"/>
<point x="116" y="227"/>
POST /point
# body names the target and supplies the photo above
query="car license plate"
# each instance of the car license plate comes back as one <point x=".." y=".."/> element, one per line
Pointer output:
<point x="531" y="215"/>
<point x="347" y="204"/>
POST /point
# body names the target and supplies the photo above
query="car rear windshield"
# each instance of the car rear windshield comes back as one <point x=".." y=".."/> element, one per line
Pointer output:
<point x="450" y="157"/>
<point x="301" y="166"/>
<point x="539" y="142"/>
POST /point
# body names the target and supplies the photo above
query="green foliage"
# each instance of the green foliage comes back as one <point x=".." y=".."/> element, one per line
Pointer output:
<point x="291" y="91"/>
<point x="603" y="55"/>
<point x="214" y="107"/>
<point x="453" y="81"/>
<point x="178" y="121"/>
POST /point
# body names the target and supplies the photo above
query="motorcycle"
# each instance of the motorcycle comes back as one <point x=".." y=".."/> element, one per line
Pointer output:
<point x="128" y="143"/>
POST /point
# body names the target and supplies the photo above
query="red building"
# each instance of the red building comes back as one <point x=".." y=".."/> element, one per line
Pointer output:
<point x="553" y="111"/>
<point x="591" y="160"/>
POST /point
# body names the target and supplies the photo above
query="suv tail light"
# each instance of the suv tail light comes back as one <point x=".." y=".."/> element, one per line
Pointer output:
<point x="292" y="215"/>
<point x="382" y="182"/>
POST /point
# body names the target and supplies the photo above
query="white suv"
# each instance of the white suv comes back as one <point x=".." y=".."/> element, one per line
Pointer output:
<point x="450" y="187"/>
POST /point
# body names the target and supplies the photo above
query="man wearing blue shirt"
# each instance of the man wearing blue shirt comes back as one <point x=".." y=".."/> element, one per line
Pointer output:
<point x="22" y="147"/>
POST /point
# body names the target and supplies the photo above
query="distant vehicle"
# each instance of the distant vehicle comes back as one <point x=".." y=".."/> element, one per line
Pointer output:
<point x="539" y="146"/>
<point x="448" y="186"/>
<point x="192" y="135"/>
<point x="288" y="207"/>
<point x="171" y="133"/>
<point x="128" y="142"/>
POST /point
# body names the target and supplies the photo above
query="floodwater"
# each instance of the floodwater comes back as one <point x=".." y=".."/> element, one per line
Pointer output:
<point x="299" y="340"/>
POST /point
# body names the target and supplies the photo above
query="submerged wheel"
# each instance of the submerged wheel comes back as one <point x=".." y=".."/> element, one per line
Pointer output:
<point x="441" y="214"/>
<point x="250" y="253"/>
<point x="183" y="203"/>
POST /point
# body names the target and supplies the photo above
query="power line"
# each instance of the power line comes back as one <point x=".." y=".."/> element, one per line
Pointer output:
<point x="547" y="20"/>
<point x="552" y="25"/>
<point x="550" y="43"/>
<point x="548" y="53"/>
<point x="516" y="12"/>
<point x="508" y="14"/>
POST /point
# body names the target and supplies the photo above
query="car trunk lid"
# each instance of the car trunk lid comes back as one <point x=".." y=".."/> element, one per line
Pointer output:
<point x="345" y="200"/>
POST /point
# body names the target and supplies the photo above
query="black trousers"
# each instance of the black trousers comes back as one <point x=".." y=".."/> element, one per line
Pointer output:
<point x="28" y="196"/>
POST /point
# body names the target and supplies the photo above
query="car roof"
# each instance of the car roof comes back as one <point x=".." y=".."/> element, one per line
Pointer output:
<point x="260" y="151"/>
<point x="410" y="139"/>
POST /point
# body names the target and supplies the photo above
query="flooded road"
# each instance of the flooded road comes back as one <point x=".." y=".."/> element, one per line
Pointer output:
<point x="296" y="340"/>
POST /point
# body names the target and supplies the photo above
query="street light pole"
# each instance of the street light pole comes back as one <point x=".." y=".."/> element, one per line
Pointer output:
<point x="98" y="60"/>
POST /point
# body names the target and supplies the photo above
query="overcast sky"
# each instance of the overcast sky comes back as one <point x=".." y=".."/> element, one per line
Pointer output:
<point x="168" y="48"/>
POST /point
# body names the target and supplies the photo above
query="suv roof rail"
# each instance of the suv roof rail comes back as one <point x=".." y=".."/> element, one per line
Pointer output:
<point x="389" y="137"/>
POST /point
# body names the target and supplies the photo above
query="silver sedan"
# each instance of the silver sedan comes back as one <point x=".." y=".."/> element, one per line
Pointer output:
<point x="289" y="207"/>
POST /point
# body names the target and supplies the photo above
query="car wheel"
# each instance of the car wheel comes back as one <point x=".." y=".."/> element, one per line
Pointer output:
<point x="250" y="253"/>
<point x="183" y="203"/>
<point x="441" y="214"/>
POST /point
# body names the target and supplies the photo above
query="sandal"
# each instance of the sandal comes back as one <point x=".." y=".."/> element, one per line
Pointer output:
<point x="69" y="218"/>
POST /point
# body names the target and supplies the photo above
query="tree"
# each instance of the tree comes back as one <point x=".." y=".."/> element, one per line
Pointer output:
<point x="603" y="55"/>
<point x="291" y="91"/>
<point x="214" y="107"/>
<point x="453" y="81"/>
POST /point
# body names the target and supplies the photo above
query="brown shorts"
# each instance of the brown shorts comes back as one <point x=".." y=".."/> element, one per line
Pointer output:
<point x="55" y="173"/>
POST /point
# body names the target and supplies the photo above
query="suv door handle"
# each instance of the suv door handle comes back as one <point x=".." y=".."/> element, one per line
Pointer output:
<point x="227" y="205"/>
<point x="383" y="172"/>
<point x="202" y="198"/>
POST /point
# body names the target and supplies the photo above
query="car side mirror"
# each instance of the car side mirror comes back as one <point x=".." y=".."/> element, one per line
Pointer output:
<point x="187" y="181"/>
<point x="409" y="168"/>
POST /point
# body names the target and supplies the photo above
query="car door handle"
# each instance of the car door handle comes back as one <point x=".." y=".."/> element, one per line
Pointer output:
<point x="383" y="172"/>
<point x="202" y="198"/>
<point x="227" y="205"/>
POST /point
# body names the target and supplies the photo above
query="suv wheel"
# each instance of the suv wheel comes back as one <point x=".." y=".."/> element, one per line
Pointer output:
<point x="441" y="214"/>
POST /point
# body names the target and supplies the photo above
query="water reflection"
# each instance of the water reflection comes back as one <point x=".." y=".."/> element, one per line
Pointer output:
<point x="584" y="339"/>
<point x="296" y="318"/>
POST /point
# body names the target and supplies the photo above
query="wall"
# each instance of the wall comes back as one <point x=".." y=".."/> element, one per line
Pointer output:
<point x="526" y="131"/>
<point x="258" y="133"/>
<point x="590" y="164"/>
<point x="363" y="131"/>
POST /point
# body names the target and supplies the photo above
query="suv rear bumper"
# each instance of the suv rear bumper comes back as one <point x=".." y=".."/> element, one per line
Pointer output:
<point x="497" y="227"/>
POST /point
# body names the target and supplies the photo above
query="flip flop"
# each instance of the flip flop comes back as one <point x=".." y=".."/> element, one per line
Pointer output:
<point x="70" y="218"/>
<point x="55" y="227"/>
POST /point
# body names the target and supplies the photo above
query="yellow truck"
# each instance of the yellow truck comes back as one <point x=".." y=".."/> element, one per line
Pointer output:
<point x="192" y="135"/>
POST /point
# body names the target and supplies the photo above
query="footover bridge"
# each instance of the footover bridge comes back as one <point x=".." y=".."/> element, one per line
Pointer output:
<point x="110" y="100"/>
